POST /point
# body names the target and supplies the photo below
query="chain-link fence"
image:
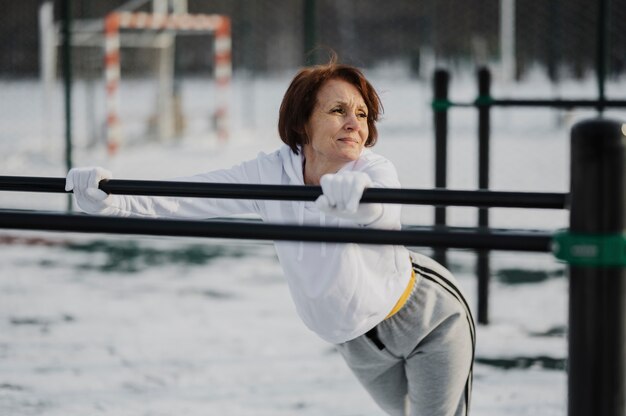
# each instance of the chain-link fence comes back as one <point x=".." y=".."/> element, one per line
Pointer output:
<point x="269" y="37"/>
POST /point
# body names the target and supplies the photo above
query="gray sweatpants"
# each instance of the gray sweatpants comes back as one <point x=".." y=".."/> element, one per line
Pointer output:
<point x="419" y="361"/>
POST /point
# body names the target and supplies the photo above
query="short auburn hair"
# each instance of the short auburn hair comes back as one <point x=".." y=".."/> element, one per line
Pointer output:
<point x="301" y="97"/>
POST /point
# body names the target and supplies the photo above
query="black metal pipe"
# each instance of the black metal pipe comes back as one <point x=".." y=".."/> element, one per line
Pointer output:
<point x="310" y="32"/>
<point x="442" y="197"/>
<point x="523" y="240"/>
<point x="567" y="104"/>
<point x="602" y="29"/>
<point x="484" y="130"/>
<point x="597" y="301"/>
<point x="66" y="30"/>
<point x="441" y="83"/>
<point x="547" y="103"/>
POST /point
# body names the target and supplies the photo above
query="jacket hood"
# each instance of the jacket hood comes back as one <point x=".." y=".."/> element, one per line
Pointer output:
<point x="292" y="164"/>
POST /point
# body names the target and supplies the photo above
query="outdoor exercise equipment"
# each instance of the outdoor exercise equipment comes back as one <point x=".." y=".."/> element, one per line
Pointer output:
<point x="594" y="246"/>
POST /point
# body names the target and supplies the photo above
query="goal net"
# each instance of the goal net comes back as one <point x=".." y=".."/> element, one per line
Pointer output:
<point x="127" y="87"/>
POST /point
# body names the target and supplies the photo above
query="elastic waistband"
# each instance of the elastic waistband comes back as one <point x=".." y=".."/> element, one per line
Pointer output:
<point x="405" y="295"/>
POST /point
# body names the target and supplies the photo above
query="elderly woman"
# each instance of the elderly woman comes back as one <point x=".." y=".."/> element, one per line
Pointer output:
<point x="397" y="317"/>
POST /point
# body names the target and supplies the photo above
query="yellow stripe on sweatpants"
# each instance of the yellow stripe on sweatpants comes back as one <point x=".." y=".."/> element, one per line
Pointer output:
<point x="404" y="297"/>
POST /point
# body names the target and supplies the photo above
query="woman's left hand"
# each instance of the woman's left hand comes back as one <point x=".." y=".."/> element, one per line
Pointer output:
<point x="342" y="194"/>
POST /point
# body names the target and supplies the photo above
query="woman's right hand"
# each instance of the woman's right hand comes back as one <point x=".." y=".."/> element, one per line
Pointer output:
<point x="342" y="195"/>
<point x="84" y="183"/>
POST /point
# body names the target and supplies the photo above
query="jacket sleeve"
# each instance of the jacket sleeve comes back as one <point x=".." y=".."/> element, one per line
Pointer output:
<point x="194" y="208"/>
<point x="384" y="175"/>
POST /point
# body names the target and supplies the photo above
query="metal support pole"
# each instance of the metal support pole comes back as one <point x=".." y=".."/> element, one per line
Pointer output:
<point x="310" y="34"/>
<point x="441" y="82"/>
<point x="482" y="260"/>
<point x="66" y="13"/>
<point x="601" y="49"/>
<point x="597" y="305"/>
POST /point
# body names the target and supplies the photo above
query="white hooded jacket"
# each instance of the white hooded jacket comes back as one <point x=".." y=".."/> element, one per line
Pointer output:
<point x="340" y="290"/>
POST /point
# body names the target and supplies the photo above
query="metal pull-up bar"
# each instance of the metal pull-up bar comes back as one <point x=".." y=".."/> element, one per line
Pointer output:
<point x="298" y="193"/>
<point x="469" y="238"/>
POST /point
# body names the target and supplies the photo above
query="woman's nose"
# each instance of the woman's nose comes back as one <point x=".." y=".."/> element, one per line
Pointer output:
<point x="352" y="122"/>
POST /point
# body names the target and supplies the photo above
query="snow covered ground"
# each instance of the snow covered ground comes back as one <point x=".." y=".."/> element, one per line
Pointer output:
<point x="115" y="325"/>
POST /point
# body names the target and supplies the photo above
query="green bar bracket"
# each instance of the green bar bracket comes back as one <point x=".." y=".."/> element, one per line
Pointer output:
<point x="441" y="105"/>
<point x="590" y="249"/>
<point x="483" y="101"/>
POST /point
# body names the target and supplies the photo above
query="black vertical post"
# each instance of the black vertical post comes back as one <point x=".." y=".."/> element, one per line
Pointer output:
<point x="597" y="305"/>
<point x="482" y="260"/>
<point x="66" y="16"/>
<point x="310" y="34"/>
<point x="441" y="82"/>
<point x="601" y="50"/>
<point x="554" y="42"/>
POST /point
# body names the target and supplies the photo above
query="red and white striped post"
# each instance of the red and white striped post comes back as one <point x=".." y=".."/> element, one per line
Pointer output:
<point x="112" y="80"/>
<point x="223" y="74"/>
<point x="217" y="24"/>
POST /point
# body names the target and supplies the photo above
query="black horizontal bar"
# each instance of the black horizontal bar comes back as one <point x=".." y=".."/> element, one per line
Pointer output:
<point x="479" y="198"/>
<point x="470" y="238"/>
<point x="558" y="103"/>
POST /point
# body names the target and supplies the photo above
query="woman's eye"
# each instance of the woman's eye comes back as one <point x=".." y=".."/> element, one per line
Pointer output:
<point x="337" y="110"/>
<point x="362" y="115"/>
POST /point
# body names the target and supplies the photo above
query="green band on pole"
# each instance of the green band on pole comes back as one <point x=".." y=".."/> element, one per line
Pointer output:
<point x="441" y="105"/>
<point x="483" y="100"/>
<point x="590" y="249"/>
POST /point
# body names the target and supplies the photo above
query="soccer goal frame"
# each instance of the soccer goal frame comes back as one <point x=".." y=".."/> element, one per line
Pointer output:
<point x="127" y="27"/>
<point x="217" y="25"/>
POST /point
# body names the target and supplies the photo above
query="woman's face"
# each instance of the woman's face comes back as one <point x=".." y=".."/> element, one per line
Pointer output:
<point x="337" y="129"/>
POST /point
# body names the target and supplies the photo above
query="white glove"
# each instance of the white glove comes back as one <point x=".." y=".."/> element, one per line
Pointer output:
<point x="342" y="193"/>
<point x="84" y="182"/>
